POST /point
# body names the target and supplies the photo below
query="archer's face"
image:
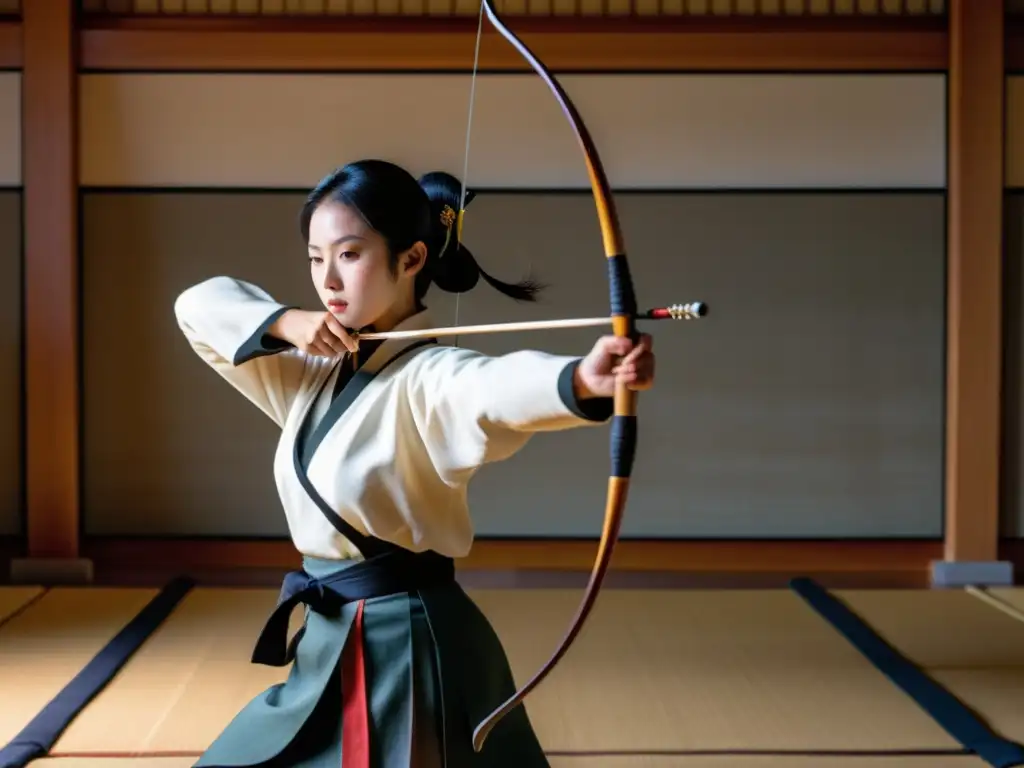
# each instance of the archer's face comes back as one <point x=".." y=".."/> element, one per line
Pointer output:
<point x="351" y="270"/>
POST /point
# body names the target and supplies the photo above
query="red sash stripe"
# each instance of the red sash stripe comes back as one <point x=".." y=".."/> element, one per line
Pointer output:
<point x="355" y="713"/>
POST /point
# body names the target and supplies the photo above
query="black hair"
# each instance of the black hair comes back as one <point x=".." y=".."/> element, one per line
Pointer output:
<point x="406" y="211"/>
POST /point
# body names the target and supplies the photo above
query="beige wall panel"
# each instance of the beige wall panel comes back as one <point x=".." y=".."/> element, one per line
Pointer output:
<point x="654" y="131"/>
<point x="10" y="129"/>
<point x="11" y="519"/>
<point x="808" y="403"/>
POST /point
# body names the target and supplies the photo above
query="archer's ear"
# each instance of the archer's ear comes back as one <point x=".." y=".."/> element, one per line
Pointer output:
<point x="414" y="259"/>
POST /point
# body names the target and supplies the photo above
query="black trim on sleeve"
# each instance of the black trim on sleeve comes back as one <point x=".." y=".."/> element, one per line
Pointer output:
<point x="261" y="343"/>
<point x="594" y="409"/>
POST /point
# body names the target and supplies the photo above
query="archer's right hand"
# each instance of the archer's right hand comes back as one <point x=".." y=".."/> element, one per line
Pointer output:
<point x="314" y="332"/>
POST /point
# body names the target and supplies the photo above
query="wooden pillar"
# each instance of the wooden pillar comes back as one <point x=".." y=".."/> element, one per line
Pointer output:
<point x="974" y="312"/>
<point x="50" y="178"/>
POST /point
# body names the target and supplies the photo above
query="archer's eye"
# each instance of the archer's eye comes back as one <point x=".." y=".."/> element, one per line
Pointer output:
<point x="350" y="255"/>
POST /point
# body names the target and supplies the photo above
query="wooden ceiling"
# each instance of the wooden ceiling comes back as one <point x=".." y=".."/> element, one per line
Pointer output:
<point x="568" y="35"/>
<point x="695" y="10"/>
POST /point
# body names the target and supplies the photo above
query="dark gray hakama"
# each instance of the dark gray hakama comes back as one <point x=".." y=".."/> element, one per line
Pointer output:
<point x="394" y="666"/>
<point x="386" y="682"/>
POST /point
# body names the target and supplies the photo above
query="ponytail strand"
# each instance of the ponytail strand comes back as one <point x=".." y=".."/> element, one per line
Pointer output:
<point x="450" y="264"/>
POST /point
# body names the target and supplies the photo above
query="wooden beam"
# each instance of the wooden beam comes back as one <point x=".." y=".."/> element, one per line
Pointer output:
<point x="49" y="147"/>
<point x="974" y="263"/>
<point x="10" y="44"/>
<point x="238" y="561"/>
<point x="790" y="557"/>
<point x="590" y="45"/>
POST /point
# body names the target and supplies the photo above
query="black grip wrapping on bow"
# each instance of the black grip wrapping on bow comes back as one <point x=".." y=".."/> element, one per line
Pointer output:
<point x="624" y="428"/>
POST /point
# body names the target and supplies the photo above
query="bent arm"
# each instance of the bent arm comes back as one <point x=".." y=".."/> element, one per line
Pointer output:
<point x="227" y="322"/>
<point x="483" y="409"/>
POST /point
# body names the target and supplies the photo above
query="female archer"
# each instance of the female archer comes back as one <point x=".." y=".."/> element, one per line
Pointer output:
<point x="394" y="665"/>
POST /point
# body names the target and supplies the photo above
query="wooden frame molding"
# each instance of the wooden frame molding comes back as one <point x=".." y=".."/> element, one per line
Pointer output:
<point x="577" y="44"/>
<point x="52" y="381"/>
<point x="786" y="557"/>
<point x="974" y="263"/>
<point x="853" y="562"/>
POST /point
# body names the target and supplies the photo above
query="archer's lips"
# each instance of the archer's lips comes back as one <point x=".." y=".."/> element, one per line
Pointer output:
<point x="337" y="306"/>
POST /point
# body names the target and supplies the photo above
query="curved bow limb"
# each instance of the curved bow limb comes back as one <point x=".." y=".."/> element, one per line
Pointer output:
<point x="624" y="422"/>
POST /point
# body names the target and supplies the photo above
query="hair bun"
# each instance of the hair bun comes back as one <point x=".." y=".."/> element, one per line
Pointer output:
<point x="445" y="194"/>
<point x="456" y="271"/>
<point x="452" y="266"/>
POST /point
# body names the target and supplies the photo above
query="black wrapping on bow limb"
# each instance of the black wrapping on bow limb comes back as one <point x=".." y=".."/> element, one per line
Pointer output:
<point x="387" y="574"/>
<point x="622" y="445"/>
<point x="622" y="297"/>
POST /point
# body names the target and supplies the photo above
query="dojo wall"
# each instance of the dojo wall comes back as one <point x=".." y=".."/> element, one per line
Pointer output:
<point x="11" y="515"/>
<point x="808" y="211"/>
<point x="1013" y="391"/>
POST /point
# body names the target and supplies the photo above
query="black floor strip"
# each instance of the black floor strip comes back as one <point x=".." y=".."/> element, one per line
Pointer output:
<point x="955" y="717"/>
<point x="39" y="736"/>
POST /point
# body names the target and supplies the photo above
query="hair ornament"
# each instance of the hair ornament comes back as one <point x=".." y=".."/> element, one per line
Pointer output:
<point x="448" y="218"/>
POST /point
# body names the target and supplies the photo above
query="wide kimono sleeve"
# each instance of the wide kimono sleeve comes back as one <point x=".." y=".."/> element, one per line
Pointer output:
<point x="226" y="321"/>
<point x="474" y="409"/>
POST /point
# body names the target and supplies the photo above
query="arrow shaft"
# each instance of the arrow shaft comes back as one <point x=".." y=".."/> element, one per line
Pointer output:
<point x="666" y="313"/>
<point x="465" y="330"/>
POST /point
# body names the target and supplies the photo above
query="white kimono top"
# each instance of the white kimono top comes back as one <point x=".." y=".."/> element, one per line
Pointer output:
<point x="393" y="453"/>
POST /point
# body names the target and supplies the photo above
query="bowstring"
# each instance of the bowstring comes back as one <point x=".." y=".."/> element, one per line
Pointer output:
<point x="465" y="159"/>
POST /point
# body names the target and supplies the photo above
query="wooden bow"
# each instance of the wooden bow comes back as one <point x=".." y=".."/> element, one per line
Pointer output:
<point x="624" y="422"/>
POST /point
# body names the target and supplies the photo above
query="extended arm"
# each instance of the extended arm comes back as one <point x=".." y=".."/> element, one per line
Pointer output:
<point x="476" y="409"/>
<point x="227" y="323"/>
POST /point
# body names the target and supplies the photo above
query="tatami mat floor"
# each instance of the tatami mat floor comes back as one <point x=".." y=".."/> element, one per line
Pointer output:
<point x="659" y="678"/>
